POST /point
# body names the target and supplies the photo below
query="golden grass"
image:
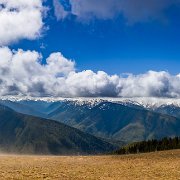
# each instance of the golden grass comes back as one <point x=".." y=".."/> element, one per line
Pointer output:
<point x="159" y="165"/>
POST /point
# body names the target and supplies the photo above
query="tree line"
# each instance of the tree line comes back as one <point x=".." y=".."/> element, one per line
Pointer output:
<point x="150" y="146"/>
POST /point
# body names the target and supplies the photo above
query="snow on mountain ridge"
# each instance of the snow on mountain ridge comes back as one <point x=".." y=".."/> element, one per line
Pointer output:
<point x="146" y="102"/>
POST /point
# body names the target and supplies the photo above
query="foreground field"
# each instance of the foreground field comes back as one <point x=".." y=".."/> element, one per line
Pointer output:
<point x="159" y="165"/>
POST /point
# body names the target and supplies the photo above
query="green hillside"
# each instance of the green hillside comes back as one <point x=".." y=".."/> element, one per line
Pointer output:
<point x="118" y="122"/>
<point x="26" y="134"/>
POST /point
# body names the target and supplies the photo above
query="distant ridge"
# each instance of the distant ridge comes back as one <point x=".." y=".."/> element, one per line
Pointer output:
<point x="147" y="102"/>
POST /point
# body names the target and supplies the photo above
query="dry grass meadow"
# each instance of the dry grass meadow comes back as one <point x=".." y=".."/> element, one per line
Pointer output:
<point x="159" y="165"/>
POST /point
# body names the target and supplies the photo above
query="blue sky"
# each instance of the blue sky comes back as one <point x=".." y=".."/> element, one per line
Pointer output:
<point x="90" y="48"/>
<point x="112" y="45"/>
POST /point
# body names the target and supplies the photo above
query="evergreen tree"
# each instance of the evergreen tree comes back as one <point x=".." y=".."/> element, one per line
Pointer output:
<point x="151" y="146"/>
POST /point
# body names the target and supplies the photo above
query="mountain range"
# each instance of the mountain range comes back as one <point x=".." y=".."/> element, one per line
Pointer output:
<point x="120" y="120"/>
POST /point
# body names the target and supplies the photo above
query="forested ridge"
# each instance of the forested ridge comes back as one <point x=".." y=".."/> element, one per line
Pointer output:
<point x="150" y="146"/>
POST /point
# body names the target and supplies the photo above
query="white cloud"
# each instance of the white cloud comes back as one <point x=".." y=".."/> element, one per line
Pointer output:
<point x="59" y="11"/>
<point x="132" y="10"/>
<point x="22" y="73"/>
<point x="20" y="19"/>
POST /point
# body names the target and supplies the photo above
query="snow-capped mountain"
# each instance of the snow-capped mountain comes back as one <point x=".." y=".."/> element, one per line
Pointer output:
<point x="122" y="119"/>
<point x="146" y="102"/>
<point x="25" y="104"/>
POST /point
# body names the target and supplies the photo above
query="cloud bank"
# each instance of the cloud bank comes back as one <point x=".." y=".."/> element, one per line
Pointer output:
<point x="20" y="19"/>
<point x="132" y="10"/>
<point x="22" y="73"/>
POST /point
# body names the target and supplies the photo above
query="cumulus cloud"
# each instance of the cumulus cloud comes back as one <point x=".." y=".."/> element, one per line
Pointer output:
<point x="20" y="19"/>
<point x="22" y="73"/>
<point x="132" y="10"/>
